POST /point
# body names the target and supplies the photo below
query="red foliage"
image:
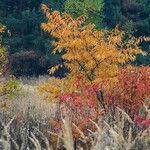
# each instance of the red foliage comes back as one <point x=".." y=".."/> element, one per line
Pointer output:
<point x="146" y="122"/>
<point x="132" y="88"/>
<point x="81" y="106"/>
<point x="129" y="93"/>
<point x="141" y="122"/>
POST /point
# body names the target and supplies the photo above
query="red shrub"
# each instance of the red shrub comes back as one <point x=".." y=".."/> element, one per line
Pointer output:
<point x="132" y="88"/>
<point x="128" y="93"/>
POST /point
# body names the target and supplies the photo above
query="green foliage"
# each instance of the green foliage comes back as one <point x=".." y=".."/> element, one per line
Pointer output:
<point x="133" y="16"/>
<point x="9" y="87"/>
<point x="23" y="19"/>
<point x="12" y="87"/>
<point x="93" y="9"/>
<point x="55" y="4"/>
<point x="138" y="12"/>
<point x="112" y="12"/>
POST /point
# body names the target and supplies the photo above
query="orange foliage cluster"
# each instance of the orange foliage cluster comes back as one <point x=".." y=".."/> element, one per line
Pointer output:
<point x="94" y="54"/>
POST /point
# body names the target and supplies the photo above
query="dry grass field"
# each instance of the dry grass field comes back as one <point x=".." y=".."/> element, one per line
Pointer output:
<point x="26" y="125"/>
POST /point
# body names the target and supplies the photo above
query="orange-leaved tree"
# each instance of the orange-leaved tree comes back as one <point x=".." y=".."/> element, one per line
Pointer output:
<point x="94" y="58"/>
<point x="95" y="55"/>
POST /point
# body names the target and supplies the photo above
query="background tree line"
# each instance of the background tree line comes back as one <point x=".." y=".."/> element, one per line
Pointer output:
<point x="29" y="47"/>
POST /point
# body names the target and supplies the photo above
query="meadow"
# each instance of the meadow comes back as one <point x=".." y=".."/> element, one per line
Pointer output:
<point x="31" y="122"/>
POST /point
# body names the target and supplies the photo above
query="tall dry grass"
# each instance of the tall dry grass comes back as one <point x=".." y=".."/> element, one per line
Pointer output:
<point x="26" y="125"/>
